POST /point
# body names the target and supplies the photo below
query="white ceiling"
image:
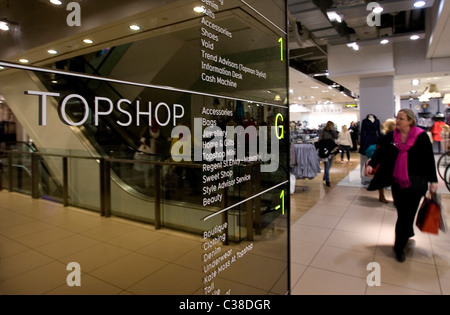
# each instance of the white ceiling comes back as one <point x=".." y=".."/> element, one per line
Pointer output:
<point x="300" y="83"/>
<point x="438" y="46"/>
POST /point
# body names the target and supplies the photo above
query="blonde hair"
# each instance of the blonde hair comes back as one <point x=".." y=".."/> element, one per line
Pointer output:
<point x="388" y="125"/>
<point x="344" y="128"/>
<point x="410" y="114"/>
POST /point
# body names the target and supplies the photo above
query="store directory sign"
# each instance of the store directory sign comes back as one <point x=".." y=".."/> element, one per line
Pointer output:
<point x="208" y="86"/>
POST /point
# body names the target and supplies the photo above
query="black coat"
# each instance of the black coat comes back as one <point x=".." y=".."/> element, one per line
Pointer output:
<point x="369" y="133"/>
<point x="421" y="162"/>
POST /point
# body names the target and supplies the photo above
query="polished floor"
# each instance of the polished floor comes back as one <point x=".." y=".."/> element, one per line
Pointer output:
<point x="335" y="233"/>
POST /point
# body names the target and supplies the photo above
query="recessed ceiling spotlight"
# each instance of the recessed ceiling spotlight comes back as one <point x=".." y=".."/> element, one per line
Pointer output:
<point x="353" y="45"/>
<point x="4" y="26"/>
<point x="23" y="60"/>
<point x="378" y="10"/>
<point x="57" y="2"/>
<point x="135" y="27"/>
<point x="52" y="52"/>
<point x="415" y="82"/>
<point x="384" y="41"/>
<point x="199" y="9"/>
<point x="88" y="41"/>
<point x="414" y="37"/>
<point x="419" y="4"/>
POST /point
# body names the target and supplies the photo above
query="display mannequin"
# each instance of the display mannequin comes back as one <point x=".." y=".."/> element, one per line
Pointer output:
<point x="436" y="130"/>
<point x="369" y="133"/>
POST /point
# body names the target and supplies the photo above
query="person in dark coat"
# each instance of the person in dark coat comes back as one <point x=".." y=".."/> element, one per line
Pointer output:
<point x="327" y="139"/>
<point x="406" y="162"/>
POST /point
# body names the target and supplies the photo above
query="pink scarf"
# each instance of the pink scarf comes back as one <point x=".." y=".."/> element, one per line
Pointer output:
<point x="401" y="165"/>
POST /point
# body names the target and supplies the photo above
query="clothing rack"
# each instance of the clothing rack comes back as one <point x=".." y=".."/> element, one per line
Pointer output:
<point x="305" y="163"/>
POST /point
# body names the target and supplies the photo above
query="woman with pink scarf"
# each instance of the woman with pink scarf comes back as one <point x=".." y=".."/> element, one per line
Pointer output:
<point x="407" y="164"/>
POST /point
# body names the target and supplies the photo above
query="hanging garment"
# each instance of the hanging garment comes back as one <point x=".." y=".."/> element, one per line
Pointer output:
<point x="307" y="163"/>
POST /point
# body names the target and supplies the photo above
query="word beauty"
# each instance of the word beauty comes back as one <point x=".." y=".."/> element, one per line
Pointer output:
<point x="173" y="113"/>
<point x="236" y="144"/>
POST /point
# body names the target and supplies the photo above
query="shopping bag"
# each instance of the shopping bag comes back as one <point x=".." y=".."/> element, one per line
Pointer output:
<point x="443" y="222"/>
<point x="292" y="183"/>
<point x="429" y="215"/>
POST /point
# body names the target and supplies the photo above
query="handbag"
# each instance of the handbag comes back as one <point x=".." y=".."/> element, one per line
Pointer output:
<point x="429" y="216"/>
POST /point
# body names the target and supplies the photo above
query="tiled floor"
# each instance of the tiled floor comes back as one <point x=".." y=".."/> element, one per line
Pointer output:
<point x="335" y="240"/>
<point x="336" y="232"/>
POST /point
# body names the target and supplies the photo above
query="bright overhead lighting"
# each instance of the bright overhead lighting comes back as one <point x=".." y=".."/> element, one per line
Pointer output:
<point x="4" y="26"/>
<point x="199" y="9"/>
<point x="135" y="27"/>
<point x="415" y="82"/>
<point x="23" y="60"/>
<point x="334" y="16"/>
<point x="378" y="10"/>
<point x="414" y="37"/>
<point x="353" y="45"/>
<point x="446" y="99"/>
<point x="88" y="41"/>
<point x="384" y="41"/>
<point x="52" y="52"/>
<point x="419" y="4"/>
<point x="57" y="2"/>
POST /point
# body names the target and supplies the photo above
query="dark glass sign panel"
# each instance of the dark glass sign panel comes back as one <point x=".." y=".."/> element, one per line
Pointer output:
<point x="200" y="95"/>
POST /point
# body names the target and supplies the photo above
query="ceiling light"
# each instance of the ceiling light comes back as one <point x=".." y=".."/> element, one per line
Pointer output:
<point x="57" y="2"/>
<point x="415" y="82"/>
<point x="384" y="41"/>
<point x="52" y="52"/>
<point x="23" y="60"/>
<point x="88" y="41"/>
<point x="419" y="4"/>
<point x="353" y="45"/>
<point x="334" y="16"/>
<point x="199" y="9"/>
<point x="446" y="99"/>
<point x="135" y="27"/>
<point x="2" y="68"/>
<point x="423" y="98"/>
<point x="378" y="10"/>
<point x="433" y="91"/>
<point x="4" y="26"/>
<point x="414" y="37"/>
<point x="277" y="97"/>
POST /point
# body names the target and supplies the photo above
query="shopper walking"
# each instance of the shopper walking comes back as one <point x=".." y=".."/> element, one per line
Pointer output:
<point x="345" y="143"/>
<point x="327" y="145"/>
<point x="408" y="166"/>
<point x="354" y="131"/>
